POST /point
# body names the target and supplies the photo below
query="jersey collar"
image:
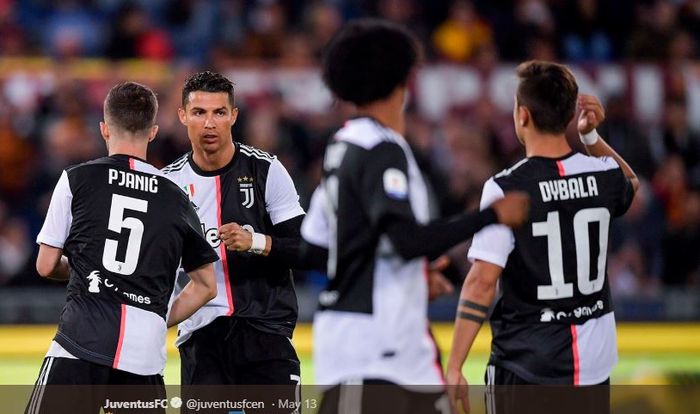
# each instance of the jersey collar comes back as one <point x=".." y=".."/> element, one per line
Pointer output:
<point x="563" y="157"/>
<point x="214" y="173"/>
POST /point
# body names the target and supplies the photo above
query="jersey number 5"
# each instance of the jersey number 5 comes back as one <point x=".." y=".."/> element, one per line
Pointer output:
<point x="117" y="222"/>
<point x="559" y="289"/>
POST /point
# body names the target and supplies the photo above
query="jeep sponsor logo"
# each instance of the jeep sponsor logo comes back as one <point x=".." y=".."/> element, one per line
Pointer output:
<point x="549" y="315"/>
<point x="211" y="235"/>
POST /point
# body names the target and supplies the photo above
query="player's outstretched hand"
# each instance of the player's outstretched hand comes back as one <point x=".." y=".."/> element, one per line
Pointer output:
<point x="235" y="237"/>
<point x="591" y="113"/>
<point x="457" y="390"/>
<point x="513" y="209"/>
<point x="438" y="284"/>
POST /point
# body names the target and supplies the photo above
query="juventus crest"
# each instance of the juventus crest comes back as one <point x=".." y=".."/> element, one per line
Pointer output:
<point x="245" y="186"/>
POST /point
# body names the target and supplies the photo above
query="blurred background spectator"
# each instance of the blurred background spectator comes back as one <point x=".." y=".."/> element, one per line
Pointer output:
<point x="459" y="38"/>
<point x="58" y="59"/>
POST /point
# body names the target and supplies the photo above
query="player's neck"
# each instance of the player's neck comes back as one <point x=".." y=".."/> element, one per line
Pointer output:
<point x="391" y="119"/>
<point x="125" y="147"/>
<point x="212" y="161"/>
<point x="546" y="145"/>
<point x="389" y="112"/>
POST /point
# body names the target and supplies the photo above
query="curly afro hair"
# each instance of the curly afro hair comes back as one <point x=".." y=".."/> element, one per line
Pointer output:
<point x="367" y="59"/>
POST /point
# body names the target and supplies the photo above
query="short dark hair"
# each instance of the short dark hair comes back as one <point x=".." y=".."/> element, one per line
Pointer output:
<point x="367" y="59"/>
<point x="131" y="107"/>
<point x="207" y="82"/>
<point x="549" y="91"/>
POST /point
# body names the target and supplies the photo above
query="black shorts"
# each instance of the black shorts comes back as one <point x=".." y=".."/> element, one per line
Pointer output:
<point x="378" y="396"/>
<point x="508" y="393"/>
<point x="230" y="351"/>
<point x="76" y="386"/>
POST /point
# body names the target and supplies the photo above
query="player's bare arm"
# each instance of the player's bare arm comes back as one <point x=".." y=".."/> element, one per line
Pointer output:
<point x="438" y="284"/>
<point x="51" y="264"/>
<point x="513" y="209"/>
<point x="199" y="290"/>
<point x="478" y="292"/>
<point x="591" y="115"/>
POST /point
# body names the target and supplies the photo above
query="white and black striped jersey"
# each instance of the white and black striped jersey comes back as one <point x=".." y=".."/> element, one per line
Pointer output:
<point x="553" y="322"/>
<point x="255" y="191"/>
<point x="372" y="321"/>
<point x="125" y="230"/>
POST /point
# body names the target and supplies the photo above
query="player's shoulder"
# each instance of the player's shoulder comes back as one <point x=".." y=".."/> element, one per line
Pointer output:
<point x="255" y="154"/>
<point x="180" y="171"/>
<point x="90" y="170"/>
<point x="579" y="163"/>
<point x="170" y="190"/>
<point x="367" y="133"/>
<point x="519" y="169"/>
<point x="168" y="186"/>
<point x="177" y="165"/>
<point x="97" y="162"/>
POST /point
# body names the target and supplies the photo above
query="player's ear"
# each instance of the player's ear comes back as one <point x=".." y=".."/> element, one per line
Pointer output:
<point x="152" y="134"/>
<point x="523" y="116"/>
<point x="182" y="115"/>
<point x="234" y="115"/>
<point x="104" y="130"/>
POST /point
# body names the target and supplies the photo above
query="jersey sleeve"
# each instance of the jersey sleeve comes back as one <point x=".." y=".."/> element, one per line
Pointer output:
<point x="315" y="229"/>
<point x="281" y="198"/>
<point x="624" y="193"/>
<point x="493" y="243"/>
<point x="384" y="184"/>
<point x="196" y="252"/>
<point x="59" y="217"/>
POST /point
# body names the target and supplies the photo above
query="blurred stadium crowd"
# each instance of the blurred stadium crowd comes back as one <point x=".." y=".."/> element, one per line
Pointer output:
<point x="49" y="112"/>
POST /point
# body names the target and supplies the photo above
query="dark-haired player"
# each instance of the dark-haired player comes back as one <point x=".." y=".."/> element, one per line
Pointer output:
<point x="250" y="212"/>
<point x="124" y="230"/>
<point x="553" y="322"/>
<point x="371" y="214"/>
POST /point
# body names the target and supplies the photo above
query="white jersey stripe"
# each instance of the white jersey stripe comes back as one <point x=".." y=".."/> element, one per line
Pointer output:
<point x="490" y="389"/>
<point x="133" y="344"/>
<point x="581" y="164"/>
<point x="247" y="148"/>
<point x="178" y="162"/>
<point x="257" y="150"/>
<point x="596" y="342"/>
<point x="258" y="157"/>
<point x="222" y="253"/>
<point x="37" y="386"/>
<point x="257" y="154"/>
<point x="263" y="154"/>
<point x="138" y="165"/>
<point x="510" y="170"/>
<point x="41" y="387"/>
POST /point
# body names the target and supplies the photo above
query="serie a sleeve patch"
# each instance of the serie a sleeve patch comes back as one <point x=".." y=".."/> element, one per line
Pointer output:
<point x="395" y="184"/>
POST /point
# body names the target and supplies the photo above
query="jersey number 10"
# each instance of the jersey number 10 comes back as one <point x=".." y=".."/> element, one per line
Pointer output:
<point x="117" y="222"/>
<point x="559" y="289"/>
